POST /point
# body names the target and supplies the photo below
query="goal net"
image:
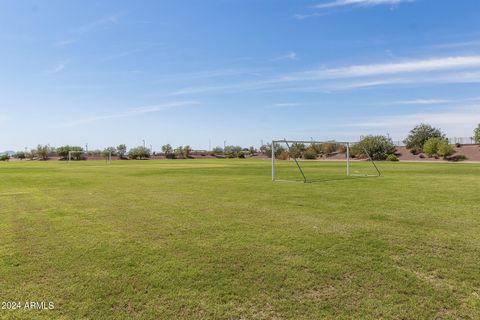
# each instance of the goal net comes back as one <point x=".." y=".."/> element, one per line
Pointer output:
<point x="76" y="155"/>
<point x="310" y="161"/>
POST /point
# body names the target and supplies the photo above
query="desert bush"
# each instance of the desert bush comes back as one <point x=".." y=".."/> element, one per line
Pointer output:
<point x="438" y="147"/>
<point x="419" y="135"/>
<point x="392" y="157"/>
<point x="4" y="157"/>
<point x="139" y="153"/>
<point x="476" y="134"/>
<point x="297" y="150"/>
<point x="241" y="155"/>
<point x="42" y="152"/>
<point x="459" y="157"/>
<point x="267" y="150"/>
<point x="63" y="152"/>
<point x="329" y="147"/>
<point x="445" y="150"/>
<point x="378" y="147"/>
<point x="414" y="150"/>
<point x="422" y="156"/>
<point x="121" y="151"/>
<point x="310" y="154"/>
<point x="110" y="150"/>
<point x="458" y="145"/>
<point x="284" y="155"/>
<point x="20" y="155"/>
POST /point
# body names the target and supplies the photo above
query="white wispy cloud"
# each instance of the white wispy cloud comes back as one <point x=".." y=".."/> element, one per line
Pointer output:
<point x="132" y="112"/>
<point x="107" y="20"/>
<point x="285" y="105"/>
<point x="407" y="73"/>
<point x="465" y="116"/>
<point x="64" y="43"/>
<point x="123" y="54"/>
<point x="421" y="102"/>
<point x="424" y="65"/>
<point x="60" y="66"/>
<point x="290" y="56"/>
<point x="342" y="3"/>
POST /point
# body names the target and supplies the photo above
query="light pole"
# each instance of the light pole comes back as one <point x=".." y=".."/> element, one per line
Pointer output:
<point x="143" y="143"/>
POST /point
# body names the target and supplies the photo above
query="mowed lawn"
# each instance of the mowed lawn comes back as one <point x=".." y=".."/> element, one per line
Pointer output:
<point x="217" y="239"/>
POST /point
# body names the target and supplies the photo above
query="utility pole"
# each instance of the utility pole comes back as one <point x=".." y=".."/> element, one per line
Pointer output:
<point x="86" y="147"/>
<point x="224" y="145"/>
<point x="209" y="144"/>
<point x="143" y="143"/>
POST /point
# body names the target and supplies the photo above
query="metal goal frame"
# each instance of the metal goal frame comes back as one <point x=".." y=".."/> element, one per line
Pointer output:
<point x="295" y="159"/>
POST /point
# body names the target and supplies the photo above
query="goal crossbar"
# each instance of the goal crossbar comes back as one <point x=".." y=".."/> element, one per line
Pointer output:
<point x="295" y="158"/>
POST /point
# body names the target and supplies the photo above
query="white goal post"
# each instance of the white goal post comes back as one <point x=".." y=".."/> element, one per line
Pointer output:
<point x="347" y="146"/>
<point x="70" y="153"/>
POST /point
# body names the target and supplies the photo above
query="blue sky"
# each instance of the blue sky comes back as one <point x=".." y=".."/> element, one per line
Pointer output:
<point x="200" y="72"/>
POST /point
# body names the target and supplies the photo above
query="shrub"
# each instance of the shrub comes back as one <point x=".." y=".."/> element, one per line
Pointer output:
<point x="414" y="150"/>
<point x="217" y="150"/>
<point x="4" y="157"/>
<point x="267" y="150"/>
<point x="438" y="147"/>
<point x="392" y="157"/>
<point x="42" y="152"/>
<point x="139" y="153"/>
<point x="476" y="134"/>
<point x="121" y="151"/>
<point x="431" y="146"/>
<point x="445" y="150"/>
<point x="419" y="135"/>
<point x="241" y="155"/>
<point x="63" y="152"/>
<point x="459" y="157"/>
<point x="20" y="155"/>
<point x="310" y="154"/>
<point x="378" y="147"/>
<point x="329" y="147"/>
<point x="458" y="145"/>
<point x="297" y="150"/>
<point x="422" y="156"/>
<point x="284" y="155"/>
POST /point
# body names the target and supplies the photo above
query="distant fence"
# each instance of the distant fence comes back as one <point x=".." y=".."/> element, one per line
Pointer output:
<point x="452" y="140"/>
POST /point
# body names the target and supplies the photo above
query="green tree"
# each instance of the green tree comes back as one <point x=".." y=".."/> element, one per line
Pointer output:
<point x="445" y="149"/>
<point x="217" y="150"/>
<point x="167" y="149"/>
<point x="266" y="149"/>
<point x="419" y="135"/>
<point x="179" y="154"/>
<point x="64" y="151"/>
<point x="476" y="134"/>
<point x="4" y="157"/>
<point x="297" y="150"/>
<point x="121" y="151"/>
<point x="378" y="147"/>
<point x="252" y="151"/>
<point x="187" y="151"/>
<point x="438" y="147"/>
<point x="20" y="155"/>
<point x="42" y="152"/>
<point x="431" y="146"/>
<point x="109" y="151"/>
<point x="139" y="153"/>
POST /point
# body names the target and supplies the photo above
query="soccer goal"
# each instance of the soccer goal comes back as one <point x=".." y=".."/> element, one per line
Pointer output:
<point x="301" y="153"/>
<point x="76" y="155"/>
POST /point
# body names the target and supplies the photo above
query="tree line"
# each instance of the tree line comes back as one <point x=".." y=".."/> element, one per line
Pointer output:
<point x="422" y="140"/>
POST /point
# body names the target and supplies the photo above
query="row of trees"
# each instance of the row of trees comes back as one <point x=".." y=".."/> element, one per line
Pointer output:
<point x="422" y="139"/>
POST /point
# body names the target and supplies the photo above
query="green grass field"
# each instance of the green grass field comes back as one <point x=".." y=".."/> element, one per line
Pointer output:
<point x="217" y="239"/>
